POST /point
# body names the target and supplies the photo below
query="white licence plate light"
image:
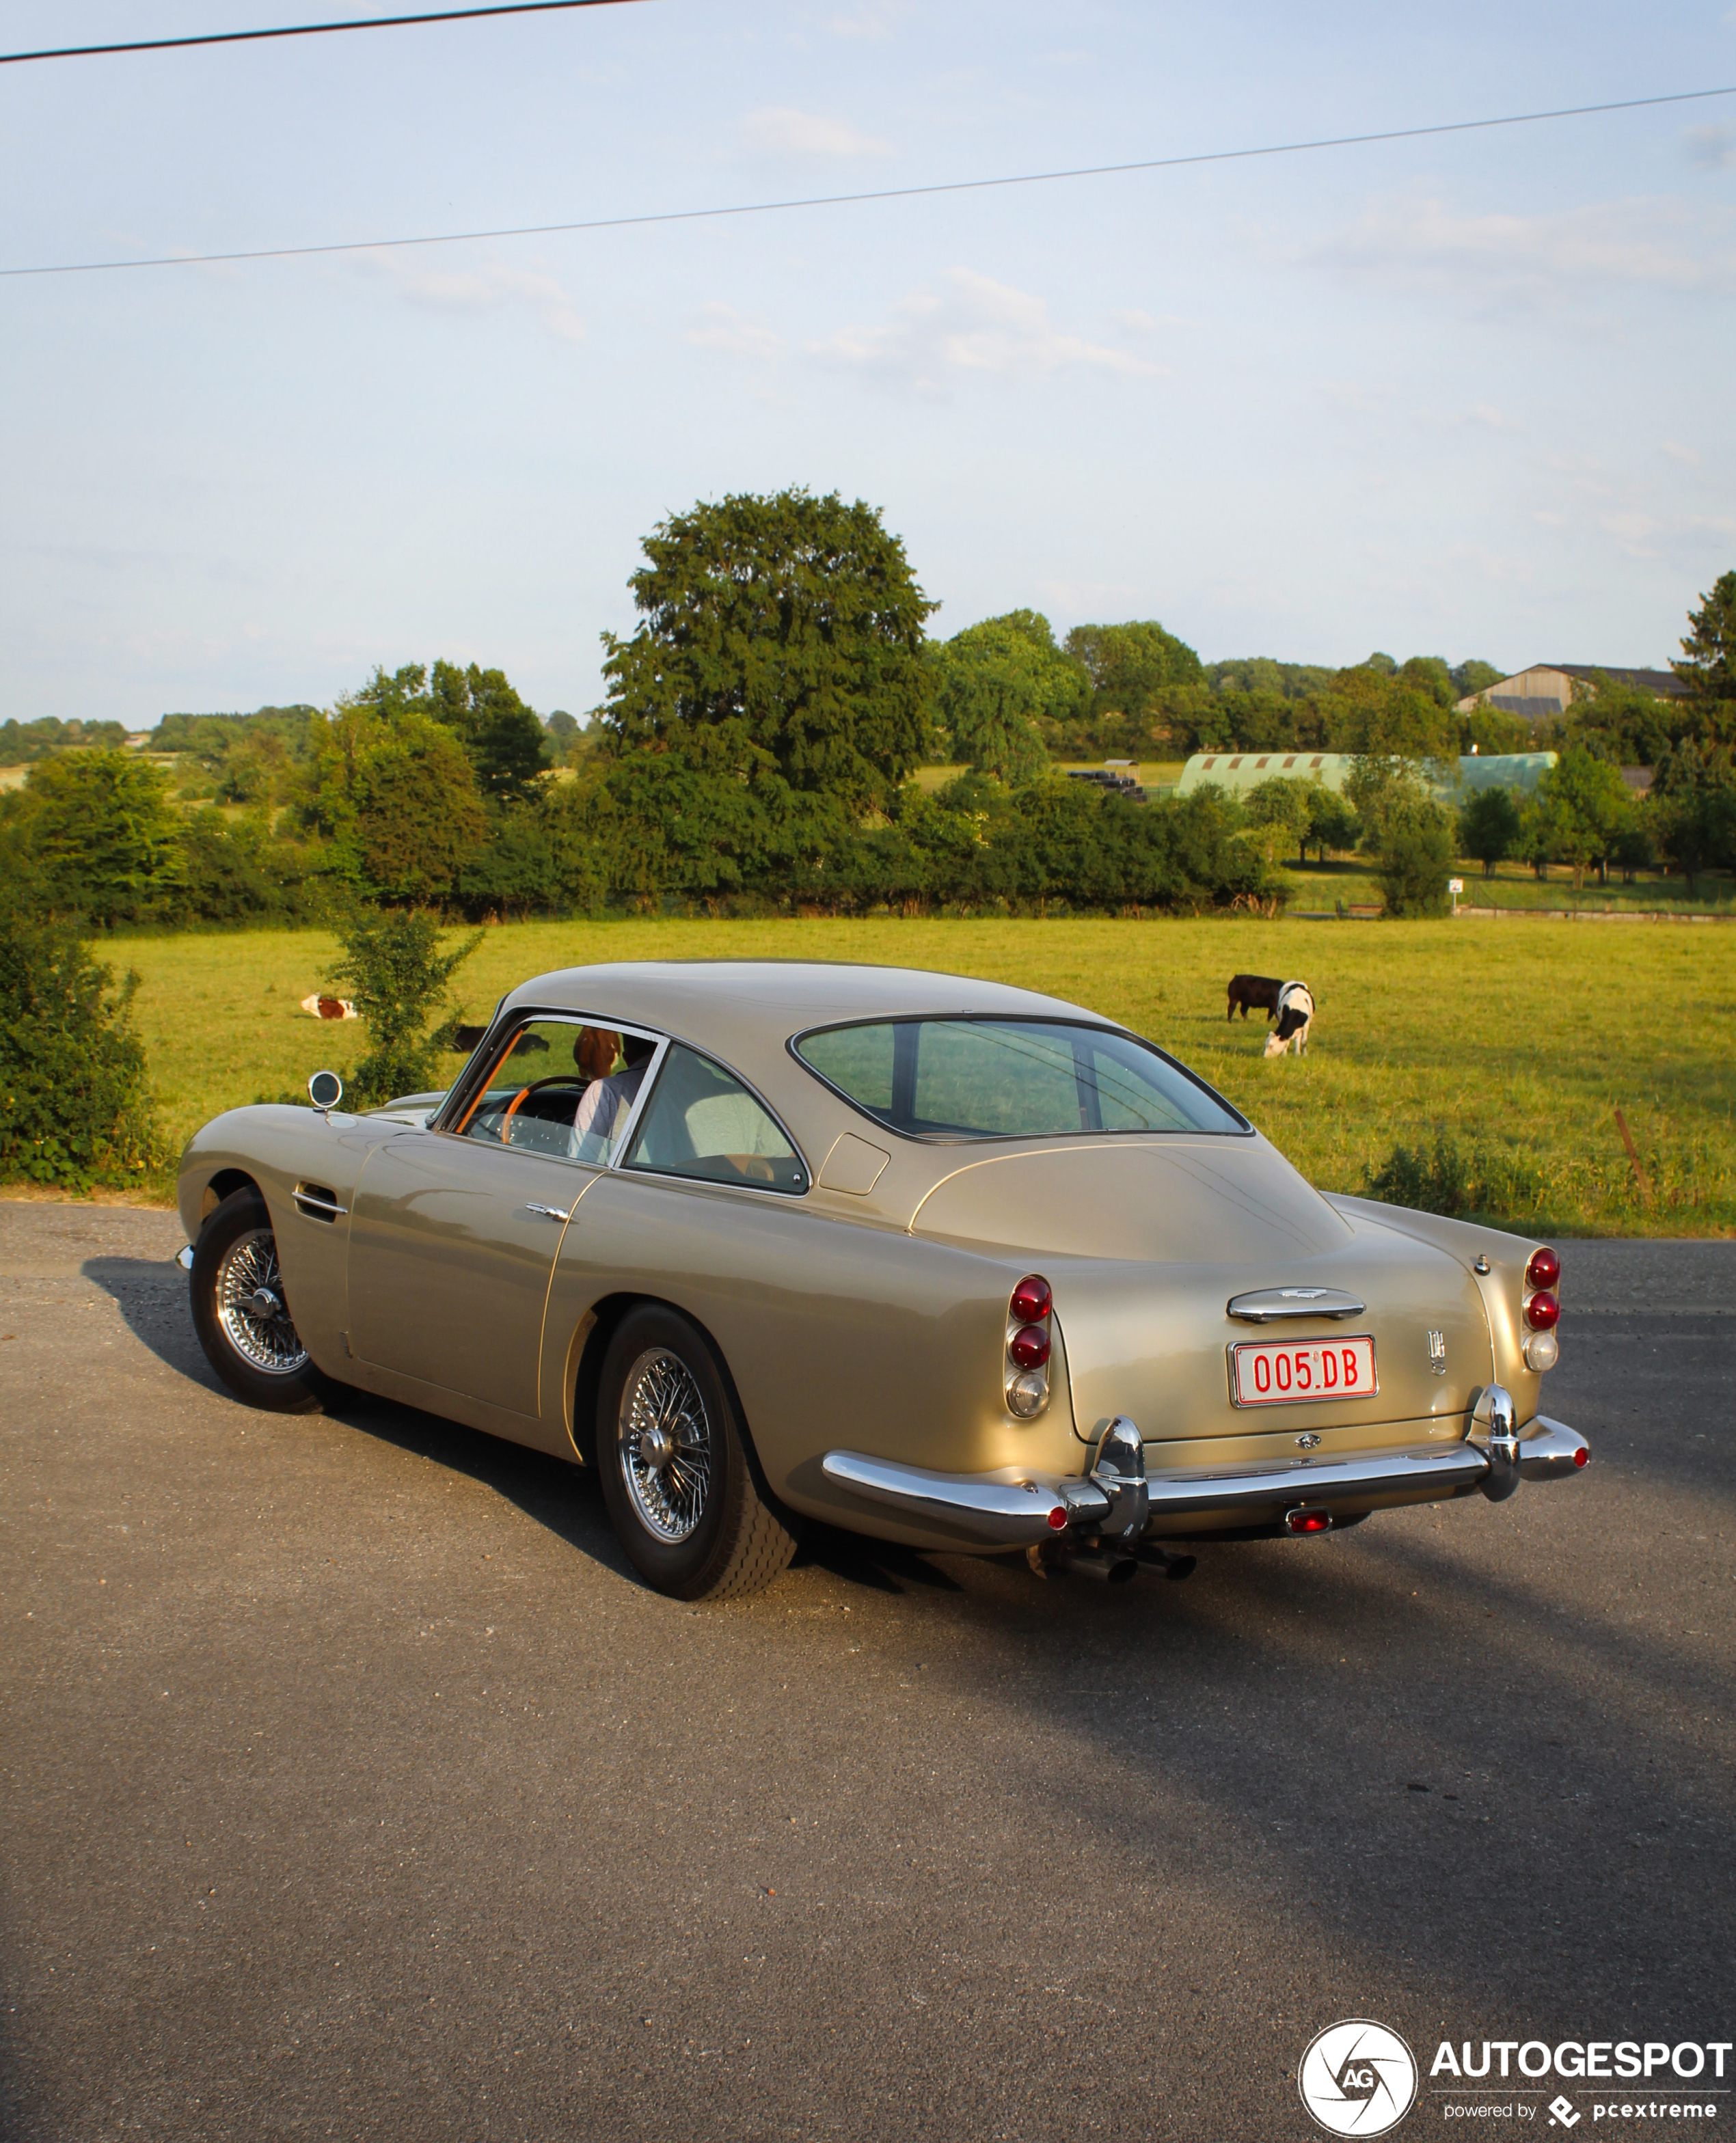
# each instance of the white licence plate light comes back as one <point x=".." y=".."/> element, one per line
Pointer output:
<point x="1284" y="1372"/>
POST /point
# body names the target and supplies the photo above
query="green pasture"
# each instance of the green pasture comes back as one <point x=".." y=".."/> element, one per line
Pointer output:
<point x="1516" y="1041"/>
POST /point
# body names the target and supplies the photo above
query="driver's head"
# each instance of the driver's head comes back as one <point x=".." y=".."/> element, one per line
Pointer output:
<point x="595" y="1052"/>
<point x="637" y="1049"/>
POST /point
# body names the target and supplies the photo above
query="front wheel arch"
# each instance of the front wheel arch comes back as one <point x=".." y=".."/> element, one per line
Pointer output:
<point x="221" y="1186"/>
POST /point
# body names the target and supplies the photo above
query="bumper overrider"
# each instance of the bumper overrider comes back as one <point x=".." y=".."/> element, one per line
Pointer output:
<point x="1118" y="1503"/>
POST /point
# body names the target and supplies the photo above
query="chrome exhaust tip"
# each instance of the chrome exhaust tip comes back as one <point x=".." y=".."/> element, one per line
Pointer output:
<point x="1092" y="1562"/>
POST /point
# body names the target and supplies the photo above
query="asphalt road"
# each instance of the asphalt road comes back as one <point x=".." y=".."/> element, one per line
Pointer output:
<point x="352" y="1787"/>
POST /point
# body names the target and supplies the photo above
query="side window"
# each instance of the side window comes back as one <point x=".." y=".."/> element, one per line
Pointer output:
<point x="702" y="1122"/>
<point x="561" y="1087"/>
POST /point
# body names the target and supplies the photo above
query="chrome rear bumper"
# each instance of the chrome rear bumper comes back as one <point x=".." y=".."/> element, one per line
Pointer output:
<point x="1011" y="1509"/>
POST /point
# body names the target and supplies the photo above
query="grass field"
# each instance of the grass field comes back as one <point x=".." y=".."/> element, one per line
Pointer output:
<point x="1517" y="1041"/>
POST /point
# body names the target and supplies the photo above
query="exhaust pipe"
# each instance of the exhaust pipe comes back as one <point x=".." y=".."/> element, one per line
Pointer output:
<point x="1092" y="1562"/>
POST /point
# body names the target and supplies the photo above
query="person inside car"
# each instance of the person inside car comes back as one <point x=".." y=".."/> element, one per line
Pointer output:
<point x="606" y="1103"/>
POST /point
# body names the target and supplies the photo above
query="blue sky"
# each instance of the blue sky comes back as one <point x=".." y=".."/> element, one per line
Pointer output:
<point x="1468" y="396"/>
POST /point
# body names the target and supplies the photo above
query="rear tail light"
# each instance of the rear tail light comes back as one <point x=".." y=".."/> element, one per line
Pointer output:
<point x="1025" y="1378"/>
<point x="1307" y="1522"/>
<point x="1029" y="1346"/>
<point x="1542" y="1350"/>
<point x="1032" y="1300"/>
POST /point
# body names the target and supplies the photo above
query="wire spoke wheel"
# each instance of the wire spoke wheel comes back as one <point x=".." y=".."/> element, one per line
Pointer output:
<point x="666" y="1445"/>
<point x="253" y="1309"/>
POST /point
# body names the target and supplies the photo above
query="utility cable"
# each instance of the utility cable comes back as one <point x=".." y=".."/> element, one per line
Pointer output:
<point x="301" y="30"/>
<point x="882" y="194"/>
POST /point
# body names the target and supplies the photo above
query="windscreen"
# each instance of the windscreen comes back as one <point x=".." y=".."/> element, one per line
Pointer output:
<point x="1003" y="1078"/>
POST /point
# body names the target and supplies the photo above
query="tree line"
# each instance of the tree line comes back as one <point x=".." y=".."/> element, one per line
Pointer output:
<point x="757" y="747"/>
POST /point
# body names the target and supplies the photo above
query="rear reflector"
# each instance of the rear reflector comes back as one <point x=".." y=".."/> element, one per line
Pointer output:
<point x="1058" y="1520"/>
<point x="1582" y="1457"/>
<point x="1307" y="1522"/>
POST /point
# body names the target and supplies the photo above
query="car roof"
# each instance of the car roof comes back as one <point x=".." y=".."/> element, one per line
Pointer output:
<point x="729" y="1005"/>
<point x="746" y="1011"/>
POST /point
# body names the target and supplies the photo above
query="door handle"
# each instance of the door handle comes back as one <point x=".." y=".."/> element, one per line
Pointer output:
<point x="548" y="1212"/>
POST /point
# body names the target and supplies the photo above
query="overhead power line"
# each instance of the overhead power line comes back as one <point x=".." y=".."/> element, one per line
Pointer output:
<point x="880" y="194"/>
<point x="301" y="30"/>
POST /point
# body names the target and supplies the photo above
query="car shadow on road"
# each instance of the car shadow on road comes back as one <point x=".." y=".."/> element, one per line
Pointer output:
<point x="152" y="1296"/>
<point x="152" y="1300"/>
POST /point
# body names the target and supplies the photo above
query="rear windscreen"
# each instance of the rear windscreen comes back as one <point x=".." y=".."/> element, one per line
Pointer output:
<point x="1001" y="1078"/>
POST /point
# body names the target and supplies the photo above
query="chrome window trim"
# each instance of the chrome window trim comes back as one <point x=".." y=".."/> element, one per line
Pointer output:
<point x="1012" y="1138"/>
<point x="748" y="1086"/>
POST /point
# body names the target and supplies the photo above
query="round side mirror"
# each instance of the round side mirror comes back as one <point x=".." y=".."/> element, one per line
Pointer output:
<point x="327" y="1090"/>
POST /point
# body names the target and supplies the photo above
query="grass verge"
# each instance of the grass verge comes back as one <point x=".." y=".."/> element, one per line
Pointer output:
<point x="1515" y="1049"/>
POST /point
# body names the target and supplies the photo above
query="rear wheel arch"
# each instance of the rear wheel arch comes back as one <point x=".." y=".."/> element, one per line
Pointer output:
<point x="591" y="1341"/>
<point x="683" y="1487"/>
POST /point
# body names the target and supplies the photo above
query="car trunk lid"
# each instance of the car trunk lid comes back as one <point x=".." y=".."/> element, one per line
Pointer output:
<point x="1145" y="1246"/>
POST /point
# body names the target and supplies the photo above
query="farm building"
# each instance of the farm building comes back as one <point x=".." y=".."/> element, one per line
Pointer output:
<point x="1239" y="771"/>
<point x="1545" y="690"/>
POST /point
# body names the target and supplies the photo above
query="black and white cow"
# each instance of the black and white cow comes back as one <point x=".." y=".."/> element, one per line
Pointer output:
<point x="1295" y="1015"/>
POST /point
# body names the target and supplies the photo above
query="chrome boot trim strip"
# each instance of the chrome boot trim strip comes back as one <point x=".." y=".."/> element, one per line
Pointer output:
<point x="1272" y="1305"/>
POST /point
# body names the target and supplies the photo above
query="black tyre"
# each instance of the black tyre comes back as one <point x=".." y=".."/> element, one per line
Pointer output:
<point x="241" y="1313"/>
<point x="677" y="1476"/>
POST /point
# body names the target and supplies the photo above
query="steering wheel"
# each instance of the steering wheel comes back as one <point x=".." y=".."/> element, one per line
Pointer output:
<point x="558" y="1079"/>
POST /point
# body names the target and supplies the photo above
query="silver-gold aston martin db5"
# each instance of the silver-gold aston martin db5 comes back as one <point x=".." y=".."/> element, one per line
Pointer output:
<point x="938" y="1260"/>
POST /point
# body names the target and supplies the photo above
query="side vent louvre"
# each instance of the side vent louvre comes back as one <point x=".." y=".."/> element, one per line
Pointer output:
<point x="317" y="1203"/>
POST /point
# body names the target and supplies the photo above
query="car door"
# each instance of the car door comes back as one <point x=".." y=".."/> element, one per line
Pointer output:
<point x="453" y="1233"/>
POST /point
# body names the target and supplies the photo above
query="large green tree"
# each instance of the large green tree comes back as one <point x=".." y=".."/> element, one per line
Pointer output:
<point x="501" y="737"/>
<point x="1708" y="667"/>
<point x="397" y="798"/>
<point x="1132" y="667"/>
<point x="102" y="834"/>
<point x="788" y="628"/>
<point x="1584" y="806"/>
<point x="995" y="683"/>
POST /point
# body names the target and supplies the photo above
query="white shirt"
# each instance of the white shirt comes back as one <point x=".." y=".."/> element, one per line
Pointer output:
<point x="603" y="1107"/>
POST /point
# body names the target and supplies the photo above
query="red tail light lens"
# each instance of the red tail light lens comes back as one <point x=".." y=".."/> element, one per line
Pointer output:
<point x="1032" y="1300"/>
<point x="1582" y="1457"/>
<point x="1542" y="1313"/>
<point x="1029" y="1346"/>
<point x="1543" y="1270"/>
<point x="1309" y="1521"/>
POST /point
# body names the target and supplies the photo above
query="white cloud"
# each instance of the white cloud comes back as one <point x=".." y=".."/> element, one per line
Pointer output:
<point x="492" y="288"/>
<point x="1632" y="532"/>
<point x="971" y="327"/>
<point x="873" y="21"/>
<point x="1688" y="456"/>
<point x="1711" y="148"/>
<point x="1087" y="598"/>
<point x="719" y="327"/>
<point x="779" y="131"/>
<point x="1652" y="243"/>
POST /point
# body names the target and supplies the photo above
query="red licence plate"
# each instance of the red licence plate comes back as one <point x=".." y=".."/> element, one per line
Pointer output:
<point x="1277" y="1371"/>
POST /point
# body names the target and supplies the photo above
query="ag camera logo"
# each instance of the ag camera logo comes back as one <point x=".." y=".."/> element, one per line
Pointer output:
<point x="1357" y="2078"/>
